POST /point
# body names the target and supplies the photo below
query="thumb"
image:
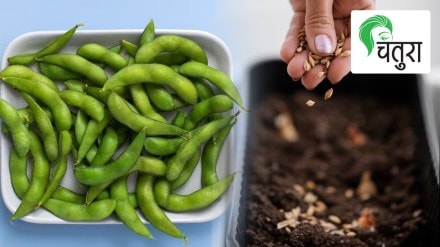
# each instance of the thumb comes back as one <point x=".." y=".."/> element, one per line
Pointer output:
<point x="319" y="26"/>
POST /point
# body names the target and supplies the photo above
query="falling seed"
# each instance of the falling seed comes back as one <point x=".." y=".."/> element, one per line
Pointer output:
<point x="356" y="136"/>
<point x="285" y="125"/>
<point x="417" y="213"/>
<point x="335" y="219"/>
<point x="345" y="53"/>
<point x="328" y="94"/>
<point x="310" y="102"/>
<point x="366" y="188"/>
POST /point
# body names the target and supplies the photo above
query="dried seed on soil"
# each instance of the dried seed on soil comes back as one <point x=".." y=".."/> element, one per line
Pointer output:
<point x="310" y="198"/>
<point x="367" y="188"/>
<point x="335" y="219"/>
<point x="367" y="219"/>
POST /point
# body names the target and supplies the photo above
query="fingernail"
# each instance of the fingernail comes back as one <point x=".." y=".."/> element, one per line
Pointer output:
<point x="323" y="43"/>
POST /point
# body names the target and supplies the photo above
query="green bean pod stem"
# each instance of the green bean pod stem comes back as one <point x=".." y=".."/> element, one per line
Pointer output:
<point x="153" y="73"/>
<point x="217" y="77"/>
<point x="40" y="179"/>
<point x="170" y="43"/>
<point x="198" y="199"/>
<point x="151" y="210"/>
<point x="88" y="104"/>
<point x="48" y="96"/>
<point x="124" y="210"/>
<point x="121" y="166"/>
<point x="78" y="64"/>
<point x="50" y="48"/>
<point x="19" y="132"/>
<point x="121" y="111"/>
<point x="70" y="211"/>
<point x="202" y="134"/>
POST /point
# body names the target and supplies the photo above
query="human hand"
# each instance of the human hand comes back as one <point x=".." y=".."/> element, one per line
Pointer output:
<point x="326" y="24"/>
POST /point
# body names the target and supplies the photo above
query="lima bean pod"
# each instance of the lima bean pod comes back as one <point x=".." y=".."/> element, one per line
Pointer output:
<point x="19" y="132"/>
<point x="153" y="73"/>
<point x="48" y="96"/>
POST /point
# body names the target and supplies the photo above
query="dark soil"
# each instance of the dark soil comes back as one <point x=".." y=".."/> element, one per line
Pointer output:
<point x="328" y="162"/>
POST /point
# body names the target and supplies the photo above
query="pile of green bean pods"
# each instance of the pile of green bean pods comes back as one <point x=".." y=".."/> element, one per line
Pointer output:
<point x="150" y="110"/>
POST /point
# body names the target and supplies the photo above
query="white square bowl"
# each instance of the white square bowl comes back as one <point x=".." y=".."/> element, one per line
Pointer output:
<point x="218" y="56"/>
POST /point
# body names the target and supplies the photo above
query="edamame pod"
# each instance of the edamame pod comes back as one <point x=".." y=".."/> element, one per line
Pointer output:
<point x="52" y="47"/>
<point x="98" y="53"/>
<point x="88" y="104"/>
<point x="121" y="112"/>
<point x="19" y="132"/>
<point x="70" y="211"/>
<point x="170" y="43"/>
<point x="78" y="64"/>
<point x="153" y="73"/>
<point x="217" y="77"/>
<point x="57" y="73"/>
<point x="48" y="96"/>
<point x="198" y="199"/>
<point x="24" y="72"/>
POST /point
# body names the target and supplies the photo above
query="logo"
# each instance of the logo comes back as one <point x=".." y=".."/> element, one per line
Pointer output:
<point x="390" y="41"/>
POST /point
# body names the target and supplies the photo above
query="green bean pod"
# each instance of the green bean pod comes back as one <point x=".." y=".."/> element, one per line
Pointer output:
<point x="45" y="126"/>
<point x="217" y="77"/>
<point x="129" y="47"/>
<point x="19" y="132"/>
<point x="88" y="104"/>
<point x="210" y="155"/>
<point x="203" y="109"/>
<point x="170" y="43"/>
<point x="50" y="48"/>
<point x="48" y="96"/>
<point x="148" y="34"/>
<point x="98" y="53"/>
<point x="75" y="85"/>
<point x="198" y="199"/>
<point x="78" y="64"/>
<point x="124" y="210"/>
<point x="40" y="179"/>
<point x="70" y="211"/>
<point x="60" y="168"/>
<point x="151" y="210"/>
<point x="202" y="134"/>
<point x="119" y="167"/>
<point x="25" y="72"/>
<point x="153" y="73"/>
<point x="122" y="113"/>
